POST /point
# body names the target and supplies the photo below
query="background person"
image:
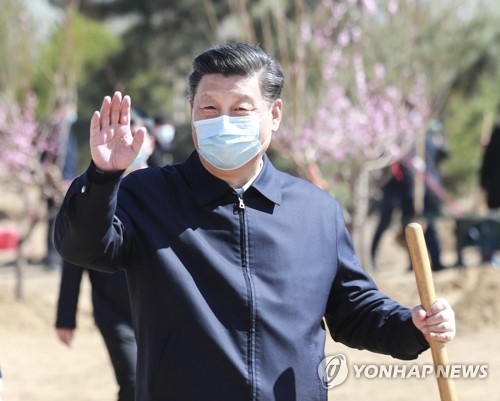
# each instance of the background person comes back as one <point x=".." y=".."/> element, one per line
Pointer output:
<point x="112" y="315"/>
<point x="397" y="196"/>
<point x="164" y="134"/>
<point x="489" y="181"/>
<point x="436" y="151"/>
<point x="490" y="167"/>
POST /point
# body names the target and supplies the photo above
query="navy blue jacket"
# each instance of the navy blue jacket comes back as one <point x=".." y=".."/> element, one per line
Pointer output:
<point x="110" y="297"/>
<point x="228" y="295"/>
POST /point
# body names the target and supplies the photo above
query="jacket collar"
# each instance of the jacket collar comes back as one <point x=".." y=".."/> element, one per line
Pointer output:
<point x="207" y="188"/>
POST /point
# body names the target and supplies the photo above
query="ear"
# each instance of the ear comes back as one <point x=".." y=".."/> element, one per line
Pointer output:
<point x="277" y="113"/>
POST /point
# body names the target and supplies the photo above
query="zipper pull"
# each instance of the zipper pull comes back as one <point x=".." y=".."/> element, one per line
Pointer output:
<point x="241" y="204"/>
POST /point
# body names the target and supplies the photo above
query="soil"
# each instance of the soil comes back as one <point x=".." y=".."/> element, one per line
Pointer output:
<point x="36" y="366"/>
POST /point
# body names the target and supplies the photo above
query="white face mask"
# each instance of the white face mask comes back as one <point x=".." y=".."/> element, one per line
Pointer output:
<point x="141" y="158"/>
<point x="227" y="142"/>
<point x="165" y="134"/>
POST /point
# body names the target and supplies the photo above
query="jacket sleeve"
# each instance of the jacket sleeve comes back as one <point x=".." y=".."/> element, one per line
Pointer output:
<point x="69" y="291"/>
<point x="360" y="316"/>
<point x="87" y="232"/>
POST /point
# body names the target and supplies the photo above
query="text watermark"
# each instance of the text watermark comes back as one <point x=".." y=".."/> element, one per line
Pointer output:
<point x="334" y="370"/>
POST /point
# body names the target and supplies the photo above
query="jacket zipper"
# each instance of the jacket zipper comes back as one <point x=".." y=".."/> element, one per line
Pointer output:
<point x="251" y="298"/>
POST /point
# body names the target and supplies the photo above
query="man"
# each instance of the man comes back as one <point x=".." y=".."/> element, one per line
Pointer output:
<point x="232" y="264"/>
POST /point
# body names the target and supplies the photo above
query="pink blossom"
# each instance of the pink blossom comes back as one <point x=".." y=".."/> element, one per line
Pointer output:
<point x="22" y="141"/>
<point x="370" y="5"/>
<point x="393" y="7"/>
<point x="359" y="124"/>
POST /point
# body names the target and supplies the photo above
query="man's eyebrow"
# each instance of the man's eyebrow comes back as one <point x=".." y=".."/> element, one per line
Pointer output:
<point x="236" y="97"/>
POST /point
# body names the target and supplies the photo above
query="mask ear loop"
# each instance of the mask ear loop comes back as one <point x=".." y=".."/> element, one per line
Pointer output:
<point x="268" y="140"/>
<point x="268" y="111"/>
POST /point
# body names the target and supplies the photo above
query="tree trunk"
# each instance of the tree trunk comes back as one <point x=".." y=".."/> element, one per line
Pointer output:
<point x="30" y="218"/>
<point x="360" y="215"/>
<point x="20" y="263"/>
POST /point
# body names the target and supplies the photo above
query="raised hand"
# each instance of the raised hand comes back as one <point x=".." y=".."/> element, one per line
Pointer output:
<point x="112" y="145"/>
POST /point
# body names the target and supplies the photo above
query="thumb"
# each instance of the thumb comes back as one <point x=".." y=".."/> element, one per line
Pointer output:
<point x="138" y="140"/>
<point x="418" y="316"/>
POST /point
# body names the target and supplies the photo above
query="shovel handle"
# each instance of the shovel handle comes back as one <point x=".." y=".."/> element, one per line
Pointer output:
<point x="425" y="285"/>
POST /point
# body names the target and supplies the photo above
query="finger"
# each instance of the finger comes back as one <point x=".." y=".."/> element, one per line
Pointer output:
<point x="418" y="313"/>
<point x="441" y="317"/>
<point x="64" y="336"/>
<point x="104" y="112"/>
<point x="69" y="337"/>
<point x="440" y="311"/>
<point x="442" y="327"/>
<point x="138" y="139"/>
<point x="116" y="104"/>
<point x="95" y="123"/>
<point x="442" y="337"/>
<point x="124" y="117"/>
<point x="438" y="306"/>
<point x="65" y="340"/>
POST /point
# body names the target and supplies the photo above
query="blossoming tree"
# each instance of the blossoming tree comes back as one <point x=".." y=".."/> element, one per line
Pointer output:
<point x="38" y="84"/>
<point x="355" y="119"/>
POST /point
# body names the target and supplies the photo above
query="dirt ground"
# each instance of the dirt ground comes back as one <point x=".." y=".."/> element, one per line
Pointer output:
<point x="36" y="366"/>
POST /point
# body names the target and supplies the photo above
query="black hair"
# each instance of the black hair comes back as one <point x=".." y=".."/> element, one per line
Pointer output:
<point x="238" y="59"/>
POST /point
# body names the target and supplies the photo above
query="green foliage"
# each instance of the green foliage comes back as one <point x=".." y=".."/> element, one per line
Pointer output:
<point x="17" y="45"/>
<point x="93" y="43"/>
<point x="76" y="48"/>
<point x="159" y="43"/>
<point x="149" y="91"/>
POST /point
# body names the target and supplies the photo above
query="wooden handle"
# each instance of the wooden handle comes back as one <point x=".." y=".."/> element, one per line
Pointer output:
<point x="423" y="275"/>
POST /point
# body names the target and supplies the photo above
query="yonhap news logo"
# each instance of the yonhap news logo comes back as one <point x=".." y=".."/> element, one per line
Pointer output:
<point x="334" y="370"/>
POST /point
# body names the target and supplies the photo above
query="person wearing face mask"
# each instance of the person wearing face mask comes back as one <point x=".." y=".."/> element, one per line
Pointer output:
<point x="163" y="131"/>
<point x="234" y="267"/>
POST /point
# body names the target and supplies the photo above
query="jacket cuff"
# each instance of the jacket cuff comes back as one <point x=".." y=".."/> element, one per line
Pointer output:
<point x="102" y="177"/>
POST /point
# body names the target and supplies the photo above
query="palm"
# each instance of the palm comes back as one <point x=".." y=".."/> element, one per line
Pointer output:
<point x="112" y="145"/>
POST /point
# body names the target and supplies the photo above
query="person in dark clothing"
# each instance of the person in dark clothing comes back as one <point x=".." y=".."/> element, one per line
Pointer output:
<point x="113" y="317"/>
<point x="488" y="179"/>
<point x="397" y="194"/>
<point x="490" y="167"/>
<point x="234" y="267"/>
<point x="163" y="132"/>
<point x="436" y="150"/>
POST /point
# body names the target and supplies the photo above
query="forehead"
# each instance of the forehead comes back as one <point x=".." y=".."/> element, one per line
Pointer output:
<point x="232" y="87"/>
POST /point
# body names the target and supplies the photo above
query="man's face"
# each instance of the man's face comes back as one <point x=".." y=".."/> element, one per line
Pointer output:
<point x="218" y="95"/>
